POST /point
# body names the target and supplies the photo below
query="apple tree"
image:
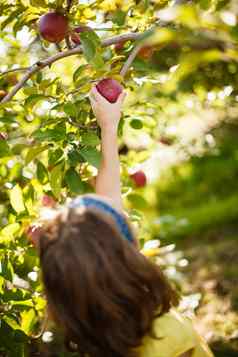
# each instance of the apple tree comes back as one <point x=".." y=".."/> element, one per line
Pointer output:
<point x="164" y="52"/>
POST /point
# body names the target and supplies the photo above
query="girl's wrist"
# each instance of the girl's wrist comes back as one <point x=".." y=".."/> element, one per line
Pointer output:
<point x="109" y="130"/>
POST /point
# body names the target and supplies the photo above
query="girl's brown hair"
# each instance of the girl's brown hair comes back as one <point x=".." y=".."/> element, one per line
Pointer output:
<point x="103" y="292"/>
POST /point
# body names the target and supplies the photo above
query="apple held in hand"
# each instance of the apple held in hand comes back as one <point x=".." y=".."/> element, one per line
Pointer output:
<point x="110" y="89"/>
<point x="75" y="35"/>
<point x="139" y="178"/>
<point x="48" y="201"/>
<point x="53" y="27"/>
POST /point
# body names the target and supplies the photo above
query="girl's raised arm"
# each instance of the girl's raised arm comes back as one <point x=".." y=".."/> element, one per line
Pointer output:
<point x="108" y="116"/>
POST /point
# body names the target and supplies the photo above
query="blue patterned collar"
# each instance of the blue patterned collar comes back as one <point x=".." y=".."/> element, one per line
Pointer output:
<point x="107" y="208"/>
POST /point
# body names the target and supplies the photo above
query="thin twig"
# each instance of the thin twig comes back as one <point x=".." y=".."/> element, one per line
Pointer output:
<point x="69" y="4"/>
<point x="14" y="70"/>
<point x="57" y="45"/>
<point x="36" y="67"/>
<point x="67" y="40"/>
<point x="130" y="59"/>
<point x="78" y="88"/>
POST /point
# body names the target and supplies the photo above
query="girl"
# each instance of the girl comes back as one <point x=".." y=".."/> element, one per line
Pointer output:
<point x="107" y="297"/>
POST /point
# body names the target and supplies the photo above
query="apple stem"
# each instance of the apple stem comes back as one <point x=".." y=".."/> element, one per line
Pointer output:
<point x="130" y="59"/>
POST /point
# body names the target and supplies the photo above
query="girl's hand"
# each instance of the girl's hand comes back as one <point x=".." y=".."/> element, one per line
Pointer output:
<point x="107" y="114"/>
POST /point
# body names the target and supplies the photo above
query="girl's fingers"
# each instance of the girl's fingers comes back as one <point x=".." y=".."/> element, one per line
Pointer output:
<point x="98" y="96"/>
<point x="93" y="93"/>
<point x="92" y="100"/>
<point x="121" y="97"/>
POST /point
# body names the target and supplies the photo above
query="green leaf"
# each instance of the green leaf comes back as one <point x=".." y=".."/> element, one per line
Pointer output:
<point x="74" y="181"/>
<point x="32" y="153"/>
<point x="136" y="124"/>
<point x="90" y="139"/>
<point x="16" y="199"/>
<point x="119" y="17"/>
<point x="27" y="303"/>
<point x="75" y="158"/>
<point x="98" y="61"/>
<point x="12" y="322"/>
<point x="56" y="177"/>
<point x="91" y="44"/>
<point x="41" y="173"/>
<point x="79" y="71"/>
<point x="91" y="155"/>
<point x="54" y="156"/>
<point x="33" y="99"/>
<point x="28" y="319"/>
<point x="9" y="232"/>
<point x="71" y="110"/>
<point x="58" y="133"/>
<point x="137" y="201"/>
<point x="4" y="148"/>
<point x="89" y="47"/>
<point x="6" y="269"/>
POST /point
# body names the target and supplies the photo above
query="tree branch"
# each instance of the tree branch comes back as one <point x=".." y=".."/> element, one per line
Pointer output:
<point x="14" y="70"/>
<point x="130" y="59"/>
<point x="48" y="61"/>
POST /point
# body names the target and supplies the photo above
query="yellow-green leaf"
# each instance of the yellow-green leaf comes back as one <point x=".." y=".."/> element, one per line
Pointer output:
<point x="16" y="199"/>
<point x="56" y="176"/>
<point x="28" y="319"/>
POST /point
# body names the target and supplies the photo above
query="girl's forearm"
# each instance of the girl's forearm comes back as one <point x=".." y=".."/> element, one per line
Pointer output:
<point x="108" y="179"/>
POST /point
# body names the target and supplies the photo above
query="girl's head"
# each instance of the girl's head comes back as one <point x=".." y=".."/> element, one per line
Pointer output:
<point x="101" y="290"/>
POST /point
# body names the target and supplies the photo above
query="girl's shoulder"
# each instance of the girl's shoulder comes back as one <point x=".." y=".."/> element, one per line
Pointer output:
<point x="175" y="335"/>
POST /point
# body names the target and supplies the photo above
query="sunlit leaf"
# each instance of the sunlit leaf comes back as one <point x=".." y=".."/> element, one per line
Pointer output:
<point x="28" y="319"/>
<point x="9" y="232"/>
<point x="16" y="199"/>
<point x="33" y="99"/>
<point x="81" y="69"/>
<point x="56" y="176"/>
<point x="41" y="173"/>
<point x="12" y="322"/>
<point x="4" y="148"/>
<point x="32" y="153"/>
<point x="90" y="139"/>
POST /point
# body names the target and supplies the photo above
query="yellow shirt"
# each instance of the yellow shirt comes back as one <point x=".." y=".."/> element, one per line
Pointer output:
<point x="177" y="336"/>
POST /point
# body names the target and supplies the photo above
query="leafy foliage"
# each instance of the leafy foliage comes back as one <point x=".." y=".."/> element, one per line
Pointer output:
<point x="49" y="138"/>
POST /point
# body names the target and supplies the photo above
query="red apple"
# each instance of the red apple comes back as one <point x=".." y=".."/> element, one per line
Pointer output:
<point x="33" y="234"/>
<point x="53" y="27"/>
<point x="139" y="178"/>
<point x="48" y="201"/>
<point x="3" y="136"/>
<point x="146" y="52"/>
<point x="75" y="37"/>
<point x="110" y="89"/>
